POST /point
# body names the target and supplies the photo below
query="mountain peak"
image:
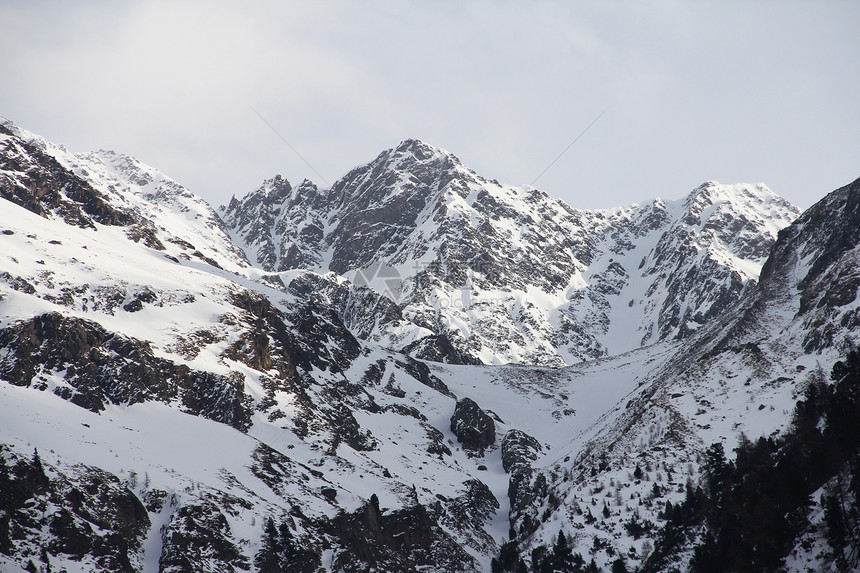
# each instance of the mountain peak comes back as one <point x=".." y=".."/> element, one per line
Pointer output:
<point x="415" y="152"/>
<point x="273" y="190"/>
<point x="715" y="191"/>
<point x="421" y="149"/>
<point x="277" y="184"/>
<point x="753" y="200"/>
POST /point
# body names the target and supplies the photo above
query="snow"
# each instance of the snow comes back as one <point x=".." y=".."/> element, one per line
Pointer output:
<point x="152" y="437"/>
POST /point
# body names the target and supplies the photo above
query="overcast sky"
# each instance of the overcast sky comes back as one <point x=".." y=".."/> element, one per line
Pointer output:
<point x="693" y="91"/>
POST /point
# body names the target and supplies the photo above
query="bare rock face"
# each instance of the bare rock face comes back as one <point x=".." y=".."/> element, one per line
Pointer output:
<point x="199" y="536"/>
<point x="518" y="449"/>
<point x="403" y="540"/>
<point x="820" y="249"/>
<point x="36" y="181"/>
<point x="88" y="514"/>
<point x="474" y="428"/>
<point x="102" y="368"/>
<point x="439" y="348"/>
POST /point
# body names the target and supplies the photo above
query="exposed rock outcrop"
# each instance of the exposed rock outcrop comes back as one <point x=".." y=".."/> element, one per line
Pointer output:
<point x="474" y="428"/>
<point x="519" y="450"/>
<point x="81" y="513"/>
<point x="98" y="367"/>
<point x="402" y="540"/>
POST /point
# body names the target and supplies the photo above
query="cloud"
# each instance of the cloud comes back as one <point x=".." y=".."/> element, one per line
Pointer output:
<point x="697" y="91"/>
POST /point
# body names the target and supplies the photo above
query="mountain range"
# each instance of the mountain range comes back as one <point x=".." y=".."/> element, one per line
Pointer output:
<point x="489" y="273"/>
<point x="417" y="368"/>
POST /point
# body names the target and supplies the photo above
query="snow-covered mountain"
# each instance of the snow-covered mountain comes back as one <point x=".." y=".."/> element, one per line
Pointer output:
<point x="187" y="404"/>
<point x="113" y="189"/>
<point x="169" y="403"/>
<point x="481" y="271"/>
<point x="741" y="375"/>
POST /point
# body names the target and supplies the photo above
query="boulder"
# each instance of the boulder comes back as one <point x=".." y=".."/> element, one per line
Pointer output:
<point x="519" y="449"/>
<point x="474" y="428"/>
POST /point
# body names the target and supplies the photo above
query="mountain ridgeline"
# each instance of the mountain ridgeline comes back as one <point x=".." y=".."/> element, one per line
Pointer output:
<point x="509" y="274"/>
<point x="419" y="368"/>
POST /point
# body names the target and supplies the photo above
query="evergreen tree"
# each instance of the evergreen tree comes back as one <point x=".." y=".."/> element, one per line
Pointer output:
<point x="834" y="526"/>
<point x="562" y="553"/>
<point x="36" y="472"/>
<point x="716" y="468"/>
<point x="267" y="560"/>
<point x="589" y="518"/>
<point x="37" y="461"/>
<point x="508" y="560"/>
<point x="755" y="509"/>
<point x="668" y="511"/>
<point x="539" y="555"/>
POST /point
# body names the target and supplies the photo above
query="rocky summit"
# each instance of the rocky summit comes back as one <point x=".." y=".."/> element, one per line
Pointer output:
<point x="419" y="368"/>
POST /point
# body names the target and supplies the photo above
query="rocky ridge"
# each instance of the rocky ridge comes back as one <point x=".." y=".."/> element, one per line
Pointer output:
<point x="499" y="274"/>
